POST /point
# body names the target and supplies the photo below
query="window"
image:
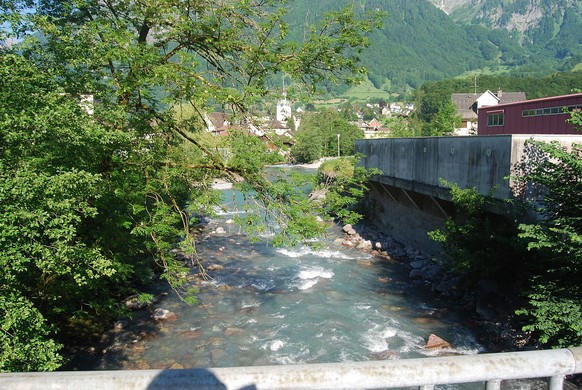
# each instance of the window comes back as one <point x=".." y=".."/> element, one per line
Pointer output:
<point x="550" y="111"/>
<point x="495" y="119"/>
<point x="528" y="113"/>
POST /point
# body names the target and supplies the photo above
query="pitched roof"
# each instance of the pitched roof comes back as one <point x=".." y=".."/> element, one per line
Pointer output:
<point x="374" y="124"/>
<point x="510" y="97"/>
<point x="466" y="102"/>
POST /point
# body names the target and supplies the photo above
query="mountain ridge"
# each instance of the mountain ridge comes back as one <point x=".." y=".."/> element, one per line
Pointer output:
<point x="420" y="42"/>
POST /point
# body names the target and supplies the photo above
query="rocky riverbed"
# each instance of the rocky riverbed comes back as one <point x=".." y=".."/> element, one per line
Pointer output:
<point x="491" y="310"/>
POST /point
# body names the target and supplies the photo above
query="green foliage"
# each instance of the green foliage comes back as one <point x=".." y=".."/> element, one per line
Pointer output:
<point x="560" y="230"/>
<point x="404" y="128"/>
<point x="552" y="36"/>
<point x="554" y="313"/>
<point x="92" y="205"/>
<point x="555" y="301"/>
<point x="477" y="244"/>
<point x="345" y="184"/>
<point x="25" y="343"/>
<point x="445" y="121"/>
<point x="318" y="136"/>
<point x="279" y="206"/>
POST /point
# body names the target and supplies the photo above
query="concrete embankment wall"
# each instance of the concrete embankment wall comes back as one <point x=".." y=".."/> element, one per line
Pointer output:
<point x="409" y="199"/>
<point x="404" y="222"/>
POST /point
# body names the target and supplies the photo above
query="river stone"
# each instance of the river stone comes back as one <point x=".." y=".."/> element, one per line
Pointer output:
<point x="364" y="262"/>
<point x="364" y="244"/>
<point x="347" y="227"/>
<point x="220" y="230"/>
<point x="318" y="195"/>
<point x="233" y="332"/>
<point x="416" y="274"/>
<point x="435" y="342"/>
<point x="134" y="303"/>
<point x="141" y="365"/>
<point x="417" y="264"/>
<point x="216" y="354"/>
<point x="120" y="325"/>
<point x="215" y="267"/>
<point x="189" y="335"/>
<point x="164" y="315"/>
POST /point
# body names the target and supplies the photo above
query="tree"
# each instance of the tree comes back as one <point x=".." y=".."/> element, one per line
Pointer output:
<point x="92" y="204"/>
<point x="318" y="136"/>
<point x="477" y="244"/>
<point x="445" y="121"/>
<point x="555" y="297"/>
<point x="554" y="312"/>
<point x="403" y="128"/>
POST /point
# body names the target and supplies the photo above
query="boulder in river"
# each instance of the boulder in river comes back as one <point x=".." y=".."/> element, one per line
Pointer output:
<point x="164" y="315"/>
<point x="435" y="342"/>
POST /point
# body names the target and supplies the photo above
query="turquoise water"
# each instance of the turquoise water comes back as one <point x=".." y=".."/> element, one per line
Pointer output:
<point x="266" y="305"/>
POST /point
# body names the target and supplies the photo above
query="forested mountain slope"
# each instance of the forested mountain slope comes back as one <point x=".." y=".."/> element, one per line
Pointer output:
<point x="419" y="42"/>
<point x="549" y="28"/>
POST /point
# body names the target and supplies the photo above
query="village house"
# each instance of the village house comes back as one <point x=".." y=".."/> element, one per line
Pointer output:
<point x="468" y="105"/>
<point x="217" y="123"/>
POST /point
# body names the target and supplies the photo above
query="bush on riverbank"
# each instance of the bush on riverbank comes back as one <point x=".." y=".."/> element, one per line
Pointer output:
<point x="345" y="185"/>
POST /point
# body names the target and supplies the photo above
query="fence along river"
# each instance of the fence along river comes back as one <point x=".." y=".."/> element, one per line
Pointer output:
<point x="272" y="306"/>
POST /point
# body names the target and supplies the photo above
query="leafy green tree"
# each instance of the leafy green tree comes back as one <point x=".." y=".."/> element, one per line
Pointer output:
<point x="344" y="184"/>
<point x="477" y="244"/>
<point x="445" y="121"/>
<point x="318" y="136"/>
<point x="92" y="202"/>
<point x="403" y="128"/>
<point x="555" y="298"/>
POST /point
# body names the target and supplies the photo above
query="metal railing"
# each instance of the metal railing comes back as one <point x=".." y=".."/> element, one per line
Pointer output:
<point x="423" y="373"/>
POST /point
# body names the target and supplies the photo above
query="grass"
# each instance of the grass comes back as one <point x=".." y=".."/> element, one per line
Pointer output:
<point x="364" y="91"/>
<point x="337" y="168"/>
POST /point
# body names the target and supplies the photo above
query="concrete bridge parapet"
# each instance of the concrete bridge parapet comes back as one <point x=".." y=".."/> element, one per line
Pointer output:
<point x="485" y="163"/>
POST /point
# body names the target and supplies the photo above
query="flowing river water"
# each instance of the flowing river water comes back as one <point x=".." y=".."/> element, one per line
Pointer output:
<point x="266" y="305"/>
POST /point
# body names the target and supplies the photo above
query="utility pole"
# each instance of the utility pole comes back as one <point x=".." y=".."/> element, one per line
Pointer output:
<point x="475" y="83"/>
<point x="338" y="145"/>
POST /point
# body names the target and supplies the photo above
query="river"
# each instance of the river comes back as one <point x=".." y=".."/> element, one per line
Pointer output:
<point x="266" y="305"/>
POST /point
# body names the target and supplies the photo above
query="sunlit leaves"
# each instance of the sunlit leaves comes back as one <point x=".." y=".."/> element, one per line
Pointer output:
<point x="555" y="301"/>
<point x="25" y="343"/>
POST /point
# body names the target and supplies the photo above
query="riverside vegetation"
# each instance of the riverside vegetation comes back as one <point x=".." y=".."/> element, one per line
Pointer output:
<point x="94" y="198"/>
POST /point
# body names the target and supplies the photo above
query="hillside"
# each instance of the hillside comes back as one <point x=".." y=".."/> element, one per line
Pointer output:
<point x="420" y="42"/>
<point x="550" y="29"/>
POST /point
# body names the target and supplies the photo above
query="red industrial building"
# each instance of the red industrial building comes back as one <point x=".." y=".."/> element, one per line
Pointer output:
<point x="536" y="116"/>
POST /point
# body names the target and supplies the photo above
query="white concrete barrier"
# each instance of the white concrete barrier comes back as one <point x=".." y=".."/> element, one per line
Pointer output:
<point x="423" y="373"/>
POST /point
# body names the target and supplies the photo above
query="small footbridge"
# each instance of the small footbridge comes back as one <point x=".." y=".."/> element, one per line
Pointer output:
<point x="489" y="371"/>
